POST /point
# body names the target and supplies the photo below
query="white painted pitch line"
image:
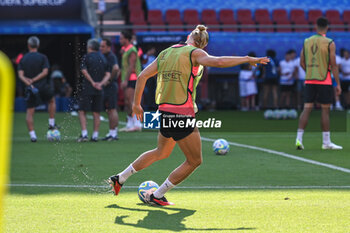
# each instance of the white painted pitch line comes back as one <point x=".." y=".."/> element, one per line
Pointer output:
<point x="314" y="162"/>
<point x="181" y="187"/>
<point x="284" y="155"/>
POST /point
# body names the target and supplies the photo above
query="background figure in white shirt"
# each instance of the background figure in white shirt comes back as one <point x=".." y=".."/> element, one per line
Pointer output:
<point x="299" y="80"/>
<point x="338" y="106"/>
<point x="287" y="71"/>
<point x="247" y="87"/>
<point x="300" y="83"/>
<point x="345" y="79"/>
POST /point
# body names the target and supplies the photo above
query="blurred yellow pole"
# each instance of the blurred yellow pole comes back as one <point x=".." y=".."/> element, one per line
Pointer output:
<point x="7" y="79"/>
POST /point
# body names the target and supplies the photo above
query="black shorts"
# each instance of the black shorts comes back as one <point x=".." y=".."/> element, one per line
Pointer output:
<point x="322" y="94"/>
<point x="45" y="95"/>
<point x="168" y="120"/>
<point x="345" y="86"/>
<point x="287" y="88"/>
<point x="270" y="81"/>
<point x="132" y="83"/>
<point x="92" y="103"/>
<point x="110" y="98"/>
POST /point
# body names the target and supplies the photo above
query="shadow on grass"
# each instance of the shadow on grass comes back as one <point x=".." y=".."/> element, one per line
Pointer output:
<point x="158" y="219"/>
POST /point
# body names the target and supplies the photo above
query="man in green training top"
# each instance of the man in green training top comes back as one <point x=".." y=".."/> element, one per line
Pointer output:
<point x="317" y="56"/>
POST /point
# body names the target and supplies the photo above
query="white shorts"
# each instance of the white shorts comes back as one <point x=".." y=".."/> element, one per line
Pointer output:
<point x="247" y="88"/>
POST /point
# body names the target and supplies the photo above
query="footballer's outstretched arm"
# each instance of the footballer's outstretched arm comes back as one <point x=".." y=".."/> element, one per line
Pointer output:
<point x="200" y="57"/>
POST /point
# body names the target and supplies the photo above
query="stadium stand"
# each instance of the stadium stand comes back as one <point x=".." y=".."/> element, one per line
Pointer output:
<point x="334" y="19"/>
<point x="244" y="17"/>
<point x="155" y="17"/>
<point x="346" y="17"/>
<point x="173" y="18"/>
<point x="209" y="18"/>
<point x="226" y="17"/>
<point x="287" y="15"/>
<point x="297" y="17"/>
<point x="313" y="15"/>
<point x="262" y="17"/>
<point x="191" y="17"/>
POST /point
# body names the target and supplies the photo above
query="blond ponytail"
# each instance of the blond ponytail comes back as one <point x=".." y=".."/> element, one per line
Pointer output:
<point x="200" y="36"/>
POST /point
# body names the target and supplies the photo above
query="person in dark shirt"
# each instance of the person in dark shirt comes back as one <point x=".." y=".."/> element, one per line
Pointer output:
<point x="33" y="70"/>
<point x="111" y="90"/>
<point x="96" y="73"/>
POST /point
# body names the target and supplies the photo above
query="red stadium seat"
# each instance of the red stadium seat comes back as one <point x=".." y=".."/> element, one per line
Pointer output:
<point x="191" y="18"/>
<point x="226" y="17"/>
<point x="136" y="17"/>
<point x="244" y="16"/>
<point x="134" y="4"/>
<point x="346" y="16"/>
<point x="297" y="17"/>
<point x="334" y="19"/>
<point x="173" y="18"/>
<point x="280" y="17"/>
<point x="314" y="15"/>
<point x="155" y="17"/>
<point x="262" y="17"/>
<point x="209" y="18"/>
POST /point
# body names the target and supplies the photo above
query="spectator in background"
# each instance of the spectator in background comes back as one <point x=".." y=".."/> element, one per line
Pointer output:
<point x="96" y="74"/>
<point x="134" y="42"/>
<point x="247" y="87"/>
<point x="300" y="80"/>
<point x="33" y="69"/>
<point x="270" y="79"/>
<point x="111" y="91"/>
<point x="345" y="81"/>
<point x="287" y="71"/>
<point x="148" y="57"/>
<point x="60" y="85"/>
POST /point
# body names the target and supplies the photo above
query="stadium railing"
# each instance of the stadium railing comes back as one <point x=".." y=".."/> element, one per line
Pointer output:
<point x="236" y="26"/>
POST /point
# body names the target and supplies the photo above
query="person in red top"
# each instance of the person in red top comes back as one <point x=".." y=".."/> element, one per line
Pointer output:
<point x="316" y="56"/>
<point x="172" y="75"/>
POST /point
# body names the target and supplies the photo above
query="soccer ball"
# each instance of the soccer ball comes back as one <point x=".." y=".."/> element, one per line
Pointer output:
<point x="292" y="114"/>
<point x="284" y="114"/>
<point x="146" y="189"/>
<point x="268" y="114"/>
<point x="53" y="135"/>
<point x="277" y="114"/>
<point x="221" y="147"/>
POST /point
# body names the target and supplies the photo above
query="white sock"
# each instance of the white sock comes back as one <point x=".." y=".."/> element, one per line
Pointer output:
<point x="116" y="131"/>
<point x="300" y="133"/>
<point x="84" y="133"/>
<point x="112" y="132"/>
<point x="326" y="137"/>
<point x="95" y="134"/>
<point x="51" y="121"/>
<point x="32" y="134"/>
<point x="165" y="187"/>
<point x="124" y="175"/>
<point x="136" y="122"/>
<point x="337" y="104"/>
<point x="130" y="122"/>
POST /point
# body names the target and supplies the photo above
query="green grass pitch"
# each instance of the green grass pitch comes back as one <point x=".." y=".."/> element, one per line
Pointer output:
<point x="60" y="187"/>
